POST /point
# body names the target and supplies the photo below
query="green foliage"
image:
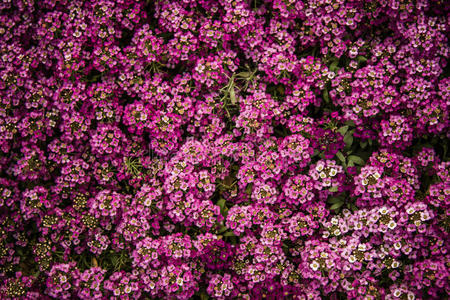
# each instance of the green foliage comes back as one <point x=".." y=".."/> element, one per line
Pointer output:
<point x="356" y="160"/>
<point x="336" y="202"/>
<point x="133" y="166"/>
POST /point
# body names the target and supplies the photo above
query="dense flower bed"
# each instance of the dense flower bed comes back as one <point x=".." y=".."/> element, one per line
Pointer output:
<point x="232" y="149"/>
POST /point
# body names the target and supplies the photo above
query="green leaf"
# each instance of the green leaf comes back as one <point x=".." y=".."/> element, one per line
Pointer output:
<point x="350" y="123"/>
<point x="94" y="262"/>
<point x="361" y="59"/>
<point x="223" y="229"/>
<point x="233" y="240"/>
<point x="232" y="96"/>
<point x="249" y="189"/>
<point x="204" y="296"/>
<point x="336" y="205"/>
<point x="334" y="66"/>
<point x="223" y="208"/>
<point x="280" y="89"/>
<point x="340" y="156"/>
<point x="244" y="74"/>
<point x="221" y="203"/>
<point x="335" y="200"/>
<point x="326" y="96"/>
<point x="229" y="233"/>
<point x="348" y="138"/>
<point x="363" y="144"/>
<point x="115" y="260"/>
<point x="356" y="159"/>
<point x="343" y="129"/>
<point x="333" y="189"/>
<point x="316" y="152"/>
<point x="353" y="207"/>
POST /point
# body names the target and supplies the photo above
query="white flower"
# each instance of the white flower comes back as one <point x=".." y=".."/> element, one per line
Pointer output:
<point x="395" y="264"/>
<point x="314" y="265"/>
<point x="392" y="224"/>
<point x="352" y="259"/>
<point x="180" y="281"/>
<point x="148" y="202"/>
<point x="424" y="216"/>
<point x="357" y="109"/>
<point x="383" y="210"/>
<point x="410" y="211"/>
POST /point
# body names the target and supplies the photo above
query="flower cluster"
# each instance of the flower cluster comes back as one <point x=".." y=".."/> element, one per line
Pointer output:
<point x="234" y="149"/>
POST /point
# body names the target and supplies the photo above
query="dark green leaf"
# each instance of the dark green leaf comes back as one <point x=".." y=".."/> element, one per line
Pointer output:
<point x="353" y="207"/>
<point x="249" y="189"/>
<point x="350" y="123"/>
<point x="336" y="205"/>
<point x="204" y="296"/>
<point x="333" y="189"/>
<point x="348" y="138"/>
<point x="361" y="59"/>
<point x="356" y="159"/>
<point x="232" y="96"/>
<point x="334" y="66"/>
<point x="326" y="97"/>
<point x="343" y="129"/>
<point x="340" y="156"/>
<point x="244" y="74"/>
<point x="222" y="229"/>
<point x="335" y="200"/>
<point x="221" y="203"/>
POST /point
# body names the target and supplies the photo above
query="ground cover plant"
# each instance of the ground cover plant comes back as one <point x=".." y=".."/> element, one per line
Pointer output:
<point x="224" y="149"/>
